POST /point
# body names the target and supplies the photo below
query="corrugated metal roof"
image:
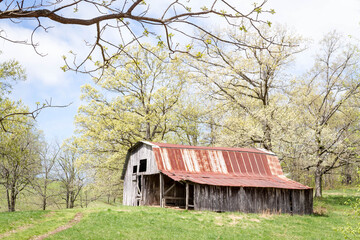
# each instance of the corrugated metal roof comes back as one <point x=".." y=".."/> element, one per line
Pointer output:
<point x="236" y="181"/>
<point x="243" y="167"/>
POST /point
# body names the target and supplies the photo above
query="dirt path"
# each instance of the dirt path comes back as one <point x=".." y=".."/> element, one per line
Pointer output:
<point x="71" y="223"/>
<point x="19" y="229"/>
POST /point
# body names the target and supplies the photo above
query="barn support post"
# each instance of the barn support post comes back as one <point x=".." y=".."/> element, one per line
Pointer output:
<point x="161" y="190"/>
<point x="187" y="196"/>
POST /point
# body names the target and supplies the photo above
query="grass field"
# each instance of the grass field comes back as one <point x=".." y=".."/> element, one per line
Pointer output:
<point x="119" y="222"/>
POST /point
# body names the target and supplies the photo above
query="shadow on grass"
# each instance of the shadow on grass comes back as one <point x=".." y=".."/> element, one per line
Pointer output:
<point x="339" y="201"/>
<point x="320" y="214"/>
<point x="330" y="203"/>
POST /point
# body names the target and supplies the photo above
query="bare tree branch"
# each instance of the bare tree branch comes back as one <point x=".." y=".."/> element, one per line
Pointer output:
<point x="133" y="19"/>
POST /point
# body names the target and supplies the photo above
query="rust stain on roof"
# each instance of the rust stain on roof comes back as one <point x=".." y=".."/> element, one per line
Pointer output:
<point x="241" y="167"/>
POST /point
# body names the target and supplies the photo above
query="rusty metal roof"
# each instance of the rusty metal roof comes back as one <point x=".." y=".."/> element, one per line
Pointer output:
<point x="236" y="181"/>
<point x="242" y="167"/>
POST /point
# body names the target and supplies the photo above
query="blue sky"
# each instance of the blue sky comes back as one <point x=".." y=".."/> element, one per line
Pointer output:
<point x="310" y="18"/>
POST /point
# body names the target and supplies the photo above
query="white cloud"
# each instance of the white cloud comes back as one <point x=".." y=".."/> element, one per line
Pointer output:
<point x="44" y="70"/>
<point x="45" y="79"/>
<point x="315" y="18"/>
<point x="310" y="18"/>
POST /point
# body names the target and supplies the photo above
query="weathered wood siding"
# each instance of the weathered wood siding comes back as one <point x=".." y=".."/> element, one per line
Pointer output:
<point x="252" y="200"/>
<point x="233" y="199"/>
<point x="130" y="181"/>
<point x="151" y="191"/>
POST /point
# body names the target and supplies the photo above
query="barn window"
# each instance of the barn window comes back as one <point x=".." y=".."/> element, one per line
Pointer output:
<point x="135" y="169"/>
<point x="142" y="167"/>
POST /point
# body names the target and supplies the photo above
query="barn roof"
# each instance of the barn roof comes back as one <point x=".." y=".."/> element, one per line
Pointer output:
<point x="219" y="166"/>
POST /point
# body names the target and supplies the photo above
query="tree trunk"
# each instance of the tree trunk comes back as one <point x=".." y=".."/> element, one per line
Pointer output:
<point x="267" y="143"/>
<point x="347" y="179"/>
<point x="148" y="131"/>
<point x="318" y="183"/>
<point x="12" y="200"/>
<point x="67" y="199"/>
<point x="44" y="203"/>
<point x="72" y="199"/>
<point x="8" y="199"/>
<point x="44" y="196"/>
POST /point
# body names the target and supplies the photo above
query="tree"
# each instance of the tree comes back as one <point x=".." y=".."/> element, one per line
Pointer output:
<point x="134" y="21"/>
<point x="10" y="73"/>
<point x="145" y="88"/>
<point x="190" y="120"/>
<point x="18" y="156"/>
<point x="142" y="99"/>
<point x="248" y="83"/>
<point x="327" y="101"/>
<point x="42" y="183"/>
<point x="70" y="174"/>
<point x="106" y="184"/>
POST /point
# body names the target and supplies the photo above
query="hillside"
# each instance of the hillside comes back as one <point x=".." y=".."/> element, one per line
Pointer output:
<point x="101" y="221"/>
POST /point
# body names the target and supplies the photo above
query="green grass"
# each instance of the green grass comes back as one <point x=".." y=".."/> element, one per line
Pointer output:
<point x="10" y="221"/>
<point x="121" y="222"/>
<point x="32" y="223"/>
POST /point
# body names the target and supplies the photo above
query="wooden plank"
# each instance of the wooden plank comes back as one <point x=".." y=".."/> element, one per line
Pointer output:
<point x="196" y="196"/>
<point x="301" y="201"/>
<point x="187" y="196"/>
<point x="143" y="190"/>
<point x="169" y="189"/>
<point x="243" y="200"/>
<point x="173" y="198"/>
<point x="161" y="190"/>
<point x="309" y="196"/>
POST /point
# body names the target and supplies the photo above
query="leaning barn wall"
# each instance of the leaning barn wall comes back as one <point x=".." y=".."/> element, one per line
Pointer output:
<point x="252" y="200"/>
<point x="130" y="180"/>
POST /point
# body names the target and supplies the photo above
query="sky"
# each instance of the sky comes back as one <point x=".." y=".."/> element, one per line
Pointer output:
<point x="45" y="79"/>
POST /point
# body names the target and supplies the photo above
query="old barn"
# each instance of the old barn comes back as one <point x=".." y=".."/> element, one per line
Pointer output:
<point x="211" y="178"/>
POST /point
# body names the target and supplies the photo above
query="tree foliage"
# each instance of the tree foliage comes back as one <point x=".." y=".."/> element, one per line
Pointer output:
<point x="10" y="73"/>
<point x="310" y="121"/>
<point x="19" y="162"/>
<point x="70" y="173"/>
<point x="140" y="99"/>
<point x="43" y="185"/>
<point x="248" y="83"/>
<point x="326" y="104"/>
